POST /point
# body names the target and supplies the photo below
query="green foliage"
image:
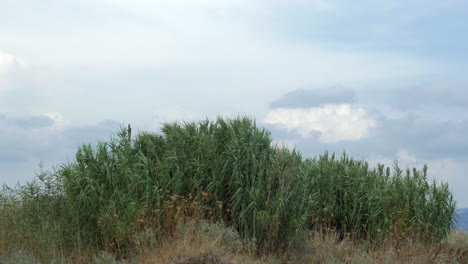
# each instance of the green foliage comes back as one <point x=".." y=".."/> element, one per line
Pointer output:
<point x="34" y="218"/>
<point x="224" y="171"/>
<point x="230" y="166"/>
<point x="376" y="203"/>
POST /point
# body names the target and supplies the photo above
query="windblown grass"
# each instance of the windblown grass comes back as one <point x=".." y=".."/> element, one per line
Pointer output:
<point x="225" y="171"/>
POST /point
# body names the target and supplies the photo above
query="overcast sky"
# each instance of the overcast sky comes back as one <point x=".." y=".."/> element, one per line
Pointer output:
<point x="384" y="80"/>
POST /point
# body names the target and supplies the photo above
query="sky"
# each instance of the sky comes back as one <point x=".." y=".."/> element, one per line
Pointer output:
<point x="384" y="80"/>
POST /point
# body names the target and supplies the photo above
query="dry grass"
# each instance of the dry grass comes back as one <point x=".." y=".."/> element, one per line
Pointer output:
<point x="327" y="249"/>
<point x="213" y="243"/>
<point x="203" y="243"/>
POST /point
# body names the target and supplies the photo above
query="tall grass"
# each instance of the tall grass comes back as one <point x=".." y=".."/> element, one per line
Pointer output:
<point x="228" y="171"/>
<point x="34" y="217"/>
<point x="379" y="203"/>
<point x="230" y="166"/>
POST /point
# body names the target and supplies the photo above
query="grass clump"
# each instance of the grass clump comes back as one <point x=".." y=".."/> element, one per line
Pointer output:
<point x="379" y="203"/>
<point x="224" y="171"/>
<point x="228" y="168"/>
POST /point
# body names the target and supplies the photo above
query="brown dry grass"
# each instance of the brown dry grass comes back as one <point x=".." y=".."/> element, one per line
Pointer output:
<point x="215" y="245"/>
<point x="194" y="244"/>
<point x="327" y="249"/>
<point x="208" y="243"/>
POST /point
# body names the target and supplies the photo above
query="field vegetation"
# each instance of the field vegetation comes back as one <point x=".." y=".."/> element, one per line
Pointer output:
<point x="221" y="192"/>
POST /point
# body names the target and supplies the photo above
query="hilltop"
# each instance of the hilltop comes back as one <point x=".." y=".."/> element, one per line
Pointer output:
<point x="221" y="192"/>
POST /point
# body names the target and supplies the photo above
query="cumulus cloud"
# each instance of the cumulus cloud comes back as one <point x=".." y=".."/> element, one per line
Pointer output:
<point x="303" y="98"/>
<point x="408" y="138"/>
<point x="333" y="122"/>
<point x="59" y="121"/>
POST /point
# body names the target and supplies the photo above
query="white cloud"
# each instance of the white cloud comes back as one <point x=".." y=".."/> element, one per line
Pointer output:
<point x="7" y="61"/>
<point x="334" y="122"/>
<point x="10" y="63"/>
<point x="405" y="156"/>
<point x="60" y="122"/>
<point x="9" y="67"/>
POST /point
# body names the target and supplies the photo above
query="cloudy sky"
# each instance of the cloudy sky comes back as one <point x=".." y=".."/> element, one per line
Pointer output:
<point x="384" y="80"/>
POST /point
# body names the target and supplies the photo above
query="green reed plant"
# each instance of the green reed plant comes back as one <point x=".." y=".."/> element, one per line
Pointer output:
<point x="230" y="165"/>
<point x="226" y="170"/>
<point x="379" y="202"/>
<point x="34" y="218"/>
